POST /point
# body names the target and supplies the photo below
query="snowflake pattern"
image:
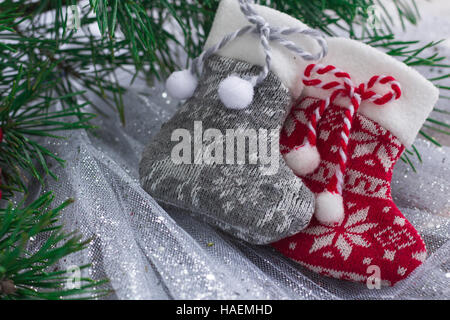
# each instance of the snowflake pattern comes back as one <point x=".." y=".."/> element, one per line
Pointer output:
<point x="373" y="231"/>
<point x="370" y="144"/>
<point x="344" y="236"/>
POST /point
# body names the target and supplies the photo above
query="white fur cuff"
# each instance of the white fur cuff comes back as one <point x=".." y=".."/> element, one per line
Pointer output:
<point x="403" y="117"/>
<point x="285" y="64"/>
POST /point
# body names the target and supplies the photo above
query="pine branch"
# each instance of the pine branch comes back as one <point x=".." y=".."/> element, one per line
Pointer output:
<point x="24" y="113"/>
<point x="30" y="107"/>
<point x="29" y="275"/>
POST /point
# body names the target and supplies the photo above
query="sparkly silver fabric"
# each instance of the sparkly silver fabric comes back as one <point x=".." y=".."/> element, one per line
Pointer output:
<point x="245" y="200"/>
<point x="148" y="254"/>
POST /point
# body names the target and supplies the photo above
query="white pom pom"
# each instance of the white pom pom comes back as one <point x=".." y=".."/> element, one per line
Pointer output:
<point x="181" y="84"/>
<point x="303" y="160"/>
<point x="236" y="93"/>
<point x="329" y="208"/>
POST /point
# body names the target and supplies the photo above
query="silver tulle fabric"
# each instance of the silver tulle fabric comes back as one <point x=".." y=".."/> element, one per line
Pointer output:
<point x="148" y="253"/>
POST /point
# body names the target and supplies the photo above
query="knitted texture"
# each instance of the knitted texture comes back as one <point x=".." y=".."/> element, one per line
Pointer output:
<point x="237" y="198"/>
<point x="266" y="34"/>
<point x="356" y="94"/>
<point x="373" y="232"/>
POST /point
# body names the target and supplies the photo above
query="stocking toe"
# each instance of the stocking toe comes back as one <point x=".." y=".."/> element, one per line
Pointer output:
<point x="363" y="248"/>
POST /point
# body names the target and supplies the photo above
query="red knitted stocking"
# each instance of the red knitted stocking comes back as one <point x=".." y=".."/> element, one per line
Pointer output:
<point x="372" y="231"/>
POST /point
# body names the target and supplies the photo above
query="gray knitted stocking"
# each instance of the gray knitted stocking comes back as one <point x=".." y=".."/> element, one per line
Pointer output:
<point x="243" y="188"/>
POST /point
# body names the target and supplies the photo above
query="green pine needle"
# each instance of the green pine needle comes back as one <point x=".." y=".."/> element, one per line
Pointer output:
<point x="32" y="273"/>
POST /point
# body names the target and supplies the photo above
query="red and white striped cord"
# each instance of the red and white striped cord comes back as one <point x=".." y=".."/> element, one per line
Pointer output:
<point x="343" y="86"/>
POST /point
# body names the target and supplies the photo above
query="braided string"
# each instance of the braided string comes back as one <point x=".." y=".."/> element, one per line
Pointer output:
<point x="343" y="86"/>
<point x="263" y="28"/>
<point x="267" y="34"/>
